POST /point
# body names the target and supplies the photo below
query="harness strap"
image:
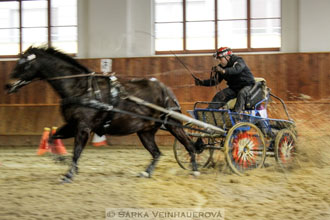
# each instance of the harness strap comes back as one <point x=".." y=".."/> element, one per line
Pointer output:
<point x="96" y="89"/>
<point x="89" y="86"/>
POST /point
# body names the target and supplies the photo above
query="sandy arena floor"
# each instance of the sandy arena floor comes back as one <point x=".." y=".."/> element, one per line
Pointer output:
<point x="30" y="189"/>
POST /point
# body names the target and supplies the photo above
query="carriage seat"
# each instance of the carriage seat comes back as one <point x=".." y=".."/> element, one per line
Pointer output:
<point x="257" y="93"/>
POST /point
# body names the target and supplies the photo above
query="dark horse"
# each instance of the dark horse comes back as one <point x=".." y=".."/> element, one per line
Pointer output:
<point x="83" y="98"/>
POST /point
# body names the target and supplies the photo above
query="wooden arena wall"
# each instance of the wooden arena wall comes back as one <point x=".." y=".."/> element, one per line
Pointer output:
<point x="291" y="76"/>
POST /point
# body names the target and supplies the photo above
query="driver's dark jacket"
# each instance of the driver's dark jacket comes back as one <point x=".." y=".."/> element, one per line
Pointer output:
<point x="237" y="74"/>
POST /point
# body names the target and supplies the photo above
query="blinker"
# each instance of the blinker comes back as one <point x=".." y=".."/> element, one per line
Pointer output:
<point x="31" y="57"/>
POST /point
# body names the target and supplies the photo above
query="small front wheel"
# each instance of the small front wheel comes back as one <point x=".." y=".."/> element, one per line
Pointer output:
<point x="245" y="147"/>
<point x="285" y="148"/>
<point x="203" y="155"/>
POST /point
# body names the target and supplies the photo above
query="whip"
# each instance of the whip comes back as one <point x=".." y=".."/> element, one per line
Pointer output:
<point x="184" y="66"/>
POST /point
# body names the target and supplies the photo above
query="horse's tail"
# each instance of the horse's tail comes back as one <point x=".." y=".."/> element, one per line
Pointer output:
<point x="170" y="101"/>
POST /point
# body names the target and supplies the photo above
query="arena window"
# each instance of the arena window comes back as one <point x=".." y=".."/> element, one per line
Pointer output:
<point x="197" y="26"/>
<point x="37" y="22"/>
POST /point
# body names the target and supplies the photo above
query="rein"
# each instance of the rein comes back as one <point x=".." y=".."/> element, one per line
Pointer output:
<point x="82" y="75"/>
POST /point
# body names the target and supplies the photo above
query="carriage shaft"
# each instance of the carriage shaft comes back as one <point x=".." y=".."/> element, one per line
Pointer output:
<point x="178" y="116"/>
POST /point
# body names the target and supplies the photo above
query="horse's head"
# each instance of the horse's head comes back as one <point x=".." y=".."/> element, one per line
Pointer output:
<point x="42" y="63"/>
<point x="27" y="69"/>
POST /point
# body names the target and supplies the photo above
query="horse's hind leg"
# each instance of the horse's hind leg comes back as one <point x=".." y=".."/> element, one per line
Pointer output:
<point x="80" y="141"/>
<point x="148" y="141"/>
<point x="179" y="134"/>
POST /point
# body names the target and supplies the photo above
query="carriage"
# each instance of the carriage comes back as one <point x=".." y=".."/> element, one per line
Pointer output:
<point x="103" y="104"/>
<point x="248" y="138"/>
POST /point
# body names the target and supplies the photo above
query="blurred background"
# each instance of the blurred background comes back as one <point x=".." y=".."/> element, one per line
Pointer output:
<point x="285" y="42"/>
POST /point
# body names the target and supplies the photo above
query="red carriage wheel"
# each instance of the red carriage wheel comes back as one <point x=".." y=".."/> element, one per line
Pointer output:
<point x="245" y="147"/>
<point x="285" y="148"/>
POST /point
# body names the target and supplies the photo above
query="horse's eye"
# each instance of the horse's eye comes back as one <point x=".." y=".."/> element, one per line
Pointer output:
<point x="26" y="67"/>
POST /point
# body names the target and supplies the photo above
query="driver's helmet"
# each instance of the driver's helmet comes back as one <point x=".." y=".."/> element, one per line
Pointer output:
<point x="222" y="52"/>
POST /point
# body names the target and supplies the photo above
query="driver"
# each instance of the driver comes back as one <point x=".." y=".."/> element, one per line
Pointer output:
<point x="232" y="69"/>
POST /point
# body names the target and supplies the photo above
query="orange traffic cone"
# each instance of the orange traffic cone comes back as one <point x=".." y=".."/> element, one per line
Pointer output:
<point x="99" y="141"/>
<point x="43" y="146"/>
<point x="57" y="146"/>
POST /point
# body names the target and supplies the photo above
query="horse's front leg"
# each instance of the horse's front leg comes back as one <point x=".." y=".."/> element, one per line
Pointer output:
<point x="148" y="140"/>
<point x="63" y="132"/>
<point x="80" y="141"/>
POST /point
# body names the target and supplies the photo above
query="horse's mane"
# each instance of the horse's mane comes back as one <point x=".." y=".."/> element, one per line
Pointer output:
<point x="57" y="53"/>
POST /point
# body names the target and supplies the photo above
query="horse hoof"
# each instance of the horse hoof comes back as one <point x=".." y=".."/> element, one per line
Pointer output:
<point x="60" y="160"/>
<point x="66" y="180"/>
<point x="145" y="174"/>
<point x="196" y="173"/>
